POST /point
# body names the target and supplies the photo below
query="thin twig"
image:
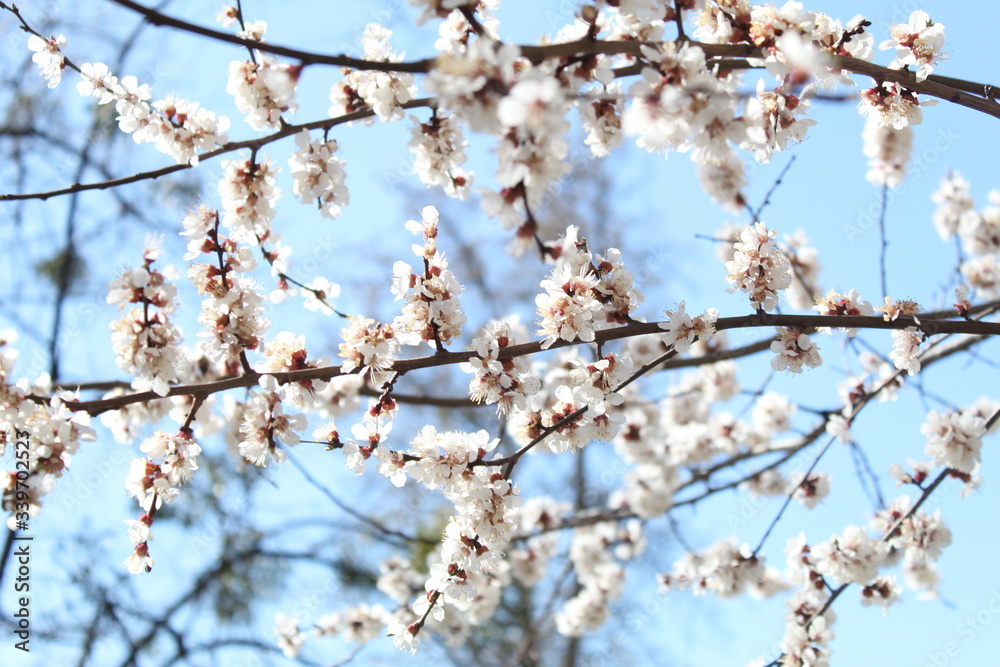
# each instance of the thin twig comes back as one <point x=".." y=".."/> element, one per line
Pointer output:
<point x="885" y="244"/>
<point x="252" y="144"/>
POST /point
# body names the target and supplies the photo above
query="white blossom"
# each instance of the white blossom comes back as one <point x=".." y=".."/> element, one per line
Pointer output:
<point x="917" y="42"/>
<point x="954" y="439"/>
<point x="49" y="57"/>
<point x="319" y="175"/>
<point x="758" y="267"/>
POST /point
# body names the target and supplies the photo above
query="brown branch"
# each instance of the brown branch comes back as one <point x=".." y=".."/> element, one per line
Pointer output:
<point x="788" y="451"/>
<point x="305" y="57"/>
<point x="888" y="534"/>
<point x="946" y="88"/>
<point x="252" y="144"/>
<point x="928" y="325"/>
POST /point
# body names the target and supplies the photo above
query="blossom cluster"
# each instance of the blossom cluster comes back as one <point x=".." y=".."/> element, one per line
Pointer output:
<point x="584" y="293"/>
<point x="917" y="42"/>
<point x="382" y="92"/>
<point x="152" y="484"/>
<point x="263" y="88"/>
<point x="505" y="382"/>
<point x="432" y="312"/>
<point x="232" y="313"/>
<point x="438" y="148"/>
<point x="49" y="57"/>
<point x="683" y="101"/>
<point x="53" y="430"/>
<point x="145" y="339"/>
<point x="177" y="127"/>
<point x="758" y="267"/>
<point x="319" y="175"/>
<point x="595" y="553"/>
<point x="978" y="231"/>
<point x="265" y="424"/>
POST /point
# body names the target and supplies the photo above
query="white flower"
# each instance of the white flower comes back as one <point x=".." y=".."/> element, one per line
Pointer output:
<point x="758" y="267"/>
<point x="682" y="330"/>
<point x="917" y="42"/>
<point x="954" y="439"/>
<point x="355" y="624"/>
<point x="404" y="636"/>
<point x="319" y="295"/>
<point x="507" y="383"/>
<point x="49" y="57"/>
<point x="263" y="91"/>
<point x="290" y="638"/>
<point x="850" y="558"/>
<point x="773" y="414"/>
<point x="895" y="105"/>
<point x="953" y="199"/>
<point x="368" y="346"/>
<point x="438" y="148"/>
<point x="145" y="339"/>
<point x="138" y="531"/>
<point x="569" y="306"/>
<point x="433" y="312"/>
<point x="234" y="320"/>
<point x="248" y="197"/>
<point x="905" y="353"/>
<point x="774" y="119"/>
<point x="809" y="490"/>
<point x="888" y="151"/>
<point x="794" y="350"/>
<point x="264" y="424"/>
<point x="384" y="92"/>
<point x="850" y="304"/>
<point x="319" y="174"/>
<point x="140" y="560"/>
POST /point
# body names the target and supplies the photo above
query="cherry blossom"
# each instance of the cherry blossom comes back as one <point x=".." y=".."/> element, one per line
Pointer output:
<point x="849" y="304"/>
<point x="852" y="557"/>
<point x="917" y="42"/>
<point x="810" y="489"/>
<point x="953" y="440"/>
<point x="263" y="88"/>
<point x="49" y="57"/>
<point x="432" y="312"/>
<point x="682" y="329"/>
<point x="953" y="200"/>
<point x="369" y="346"/>
<point x="893" y="105"/>
<point x="794" y="350"/>
<point x="319" y="175"/>
<point x="438" y="148"/>
<point x="758" y="267"/>
<point x="145" y="339"/>
<point x="906" y="349"/>
<point x="264" y="424"/>
<point x="588" y="379"/>
<point x="508" y="382"/>
<point x="888" y="151"/>
<point x="178" y="127"/>
<point x="384" y="92"/>
<point x="290" y="638"/>
<point x="248" y="196"/>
